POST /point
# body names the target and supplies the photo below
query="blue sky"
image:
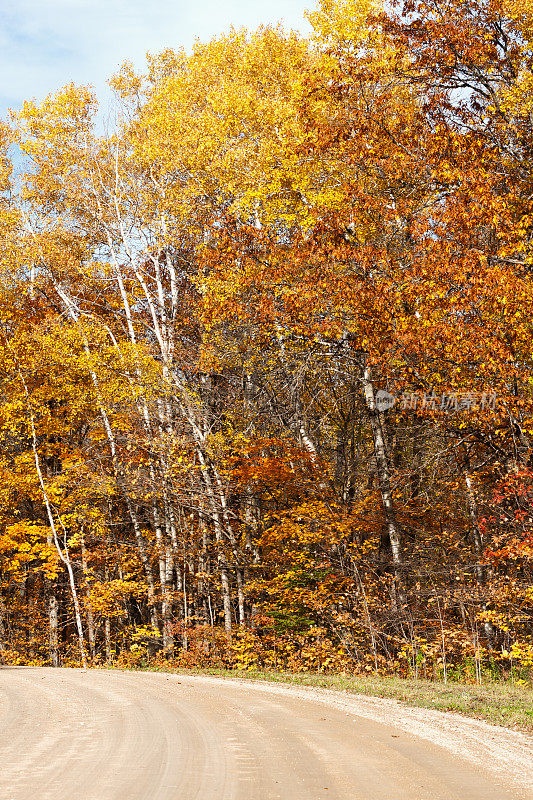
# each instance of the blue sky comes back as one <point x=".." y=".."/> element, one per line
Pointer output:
<point x="47" y="43"/>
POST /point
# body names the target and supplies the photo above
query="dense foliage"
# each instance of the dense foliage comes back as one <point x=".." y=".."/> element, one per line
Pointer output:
<point x="267" y="352"/>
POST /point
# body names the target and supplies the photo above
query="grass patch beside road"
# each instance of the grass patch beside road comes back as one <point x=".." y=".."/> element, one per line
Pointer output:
<point x="497" y="703"/>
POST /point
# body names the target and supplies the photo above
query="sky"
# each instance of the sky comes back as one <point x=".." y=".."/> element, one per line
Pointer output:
<point x="45" y="44"/>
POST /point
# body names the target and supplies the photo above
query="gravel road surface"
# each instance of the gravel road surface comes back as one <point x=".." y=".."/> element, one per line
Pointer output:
<point x="105" y="735"/>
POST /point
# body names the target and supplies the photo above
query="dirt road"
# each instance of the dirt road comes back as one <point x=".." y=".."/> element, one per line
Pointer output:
<point x="70" y="735"/>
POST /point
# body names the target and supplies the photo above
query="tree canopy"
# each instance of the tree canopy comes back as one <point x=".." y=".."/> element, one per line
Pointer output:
<point x="267" y="352"/>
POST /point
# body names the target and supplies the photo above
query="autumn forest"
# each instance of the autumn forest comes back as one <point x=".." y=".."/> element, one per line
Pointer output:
<point x="267" y="356"/>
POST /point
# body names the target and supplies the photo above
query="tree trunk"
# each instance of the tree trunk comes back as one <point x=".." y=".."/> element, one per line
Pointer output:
<point x="476" y="533"/>
<point x="240" y="596"/>
<point x="107" y="634"/>
<point x="383" y="473"/>
<point x="53" y="639"/>
<point x="166" y="603"/>
<point x="90" y="617"/>
<point x="61" y="551"/>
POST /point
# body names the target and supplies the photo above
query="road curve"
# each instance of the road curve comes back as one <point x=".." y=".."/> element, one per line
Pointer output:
<point x="105" y="735"/>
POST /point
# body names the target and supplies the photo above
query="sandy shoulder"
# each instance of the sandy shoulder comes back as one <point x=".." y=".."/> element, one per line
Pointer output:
<point x="506" y="754"/>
